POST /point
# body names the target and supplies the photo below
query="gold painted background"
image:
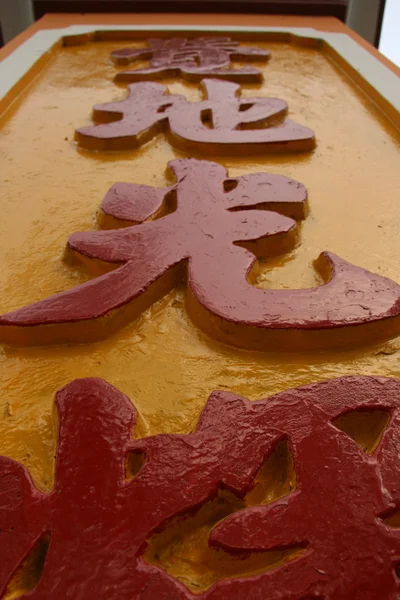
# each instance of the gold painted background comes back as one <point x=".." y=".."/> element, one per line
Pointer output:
<point x="50" y="189"/>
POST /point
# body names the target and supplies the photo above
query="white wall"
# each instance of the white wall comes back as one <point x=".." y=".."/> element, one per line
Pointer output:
<point x="390" y="36"/>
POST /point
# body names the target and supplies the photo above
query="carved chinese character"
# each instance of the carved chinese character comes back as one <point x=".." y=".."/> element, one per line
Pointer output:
<point x="222" y="123"/>
<point x="191" y="59"/>
<point x="294" y="496"/>
<point x="208" y="230"/>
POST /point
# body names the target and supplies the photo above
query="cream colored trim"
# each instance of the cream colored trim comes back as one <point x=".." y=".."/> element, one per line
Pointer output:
<point x="371" y="70"/>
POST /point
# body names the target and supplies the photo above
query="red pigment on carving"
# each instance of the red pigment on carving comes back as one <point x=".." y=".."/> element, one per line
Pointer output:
<point x="99" y="523"/>
<point x="213" y="236"/>
<point x="243" y="125"/>
<point x="191" y="59"/>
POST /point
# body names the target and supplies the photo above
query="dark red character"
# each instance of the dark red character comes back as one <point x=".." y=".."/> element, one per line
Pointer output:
<point x="208" y="230"/>
<point x="191" y="59"/>
<point x="223" y="123"/>
<point x="332" y="532"/>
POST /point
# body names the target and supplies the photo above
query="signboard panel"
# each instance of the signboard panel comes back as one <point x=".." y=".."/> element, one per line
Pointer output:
<point x="199" y="315"/>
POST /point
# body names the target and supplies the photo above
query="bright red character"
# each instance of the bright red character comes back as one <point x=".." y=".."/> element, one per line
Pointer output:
<point x="221" y="123"/>
<point x="191" y="59"/>
<point x="208" y="230"/>
<point x="333" y="536"/>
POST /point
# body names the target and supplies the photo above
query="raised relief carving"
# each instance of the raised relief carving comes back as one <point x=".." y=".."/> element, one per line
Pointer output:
<point x="222" y="123"/>
<point x="208" y="230"/>
<point x="281" y="498"/>
<point x="191" y="59"/>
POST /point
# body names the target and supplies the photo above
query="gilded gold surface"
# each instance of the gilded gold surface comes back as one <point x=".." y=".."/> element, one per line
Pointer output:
<point x="50" y="189"/>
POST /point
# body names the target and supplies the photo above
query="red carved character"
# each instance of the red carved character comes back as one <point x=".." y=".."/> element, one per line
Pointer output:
<point x="192" y="59"/>
<point x="236" y="124"/>
<point x="207" y="229"/>
<point x="332" y="537"/>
